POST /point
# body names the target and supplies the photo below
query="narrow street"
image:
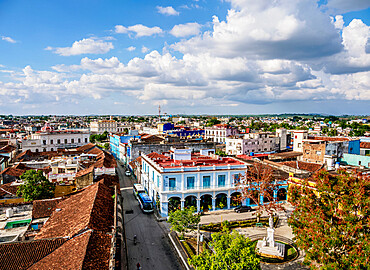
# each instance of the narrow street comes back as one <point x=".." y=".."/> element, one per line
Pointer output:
<point x="153" y="250"/>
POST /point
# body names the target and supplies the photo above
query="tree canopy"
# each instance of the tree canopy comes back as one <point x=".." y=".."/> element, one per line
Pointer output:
<point x="213" y="121"/>
<point x="229" y="251"/>
<point x="35" y="186"/>
<point x="259" y="181"/>
<point x="184" y="220"/>
<point x="331" y="223"/>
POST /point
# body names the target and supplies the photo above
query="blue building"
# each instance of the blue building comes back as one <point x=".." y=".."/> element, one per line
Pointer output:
<point x="186" y="133"/>
<point x="115" y="140"/>
<point x="185" y="179"/>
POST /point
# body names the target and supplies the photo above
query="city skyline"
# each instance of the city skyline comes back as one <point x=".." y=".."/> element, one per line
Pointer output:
<point x="190" y="57"/>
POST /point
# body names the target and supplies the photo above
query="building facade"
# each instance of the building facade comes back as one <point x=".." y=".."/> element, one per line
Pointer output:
<point x="219" y="133"/>
<point x="49" y="140"/>
<point x="99" y="127"/>
<point x="252" y="143"/>
<point x="185" y="179"/>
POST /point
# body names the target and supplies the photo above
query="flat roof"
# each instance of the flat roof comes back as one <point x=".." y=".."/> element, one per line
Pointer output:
<point x="195" y="161"/>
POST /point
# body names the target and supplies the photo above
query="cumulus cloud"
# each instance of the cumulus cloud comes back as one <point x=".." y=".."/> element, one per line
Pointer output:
<point x="343" y="6"/>
<point x="293" y="30"/>
<point x="354" y="58"/>
<point x="139" y="29"/>
<point x="167" y="11"/>
<point x="185" y="30"/>
<point x="8" y="39"/>
<point x="84" y="46"/>
<point x="299" y="54"/>
<point x="131" y="48"/>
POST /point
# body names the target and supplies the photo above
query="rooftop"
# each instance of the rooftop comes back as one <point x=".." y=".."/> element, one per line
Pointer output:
<point x="196" y="160"/>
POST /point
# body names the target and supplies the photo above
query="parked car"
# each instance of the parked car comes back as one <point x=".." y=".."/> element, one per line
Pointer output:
<point x="241" y="209"/>
<point x="127" y="173"/>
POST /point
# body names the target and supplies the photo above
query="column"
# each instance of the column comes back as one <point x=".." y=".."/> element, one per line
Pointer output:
<point x="182" y="204"/>
<point x="198" y="205"/>
<point x="228" y="202"/>
<point x="214" y="203"/>
<point x="164" y="209"/>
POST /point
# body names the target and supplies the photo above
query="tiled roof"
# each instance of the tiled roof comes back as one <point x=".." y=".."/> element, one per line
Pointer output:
<point x="98" y="252"/>
<point x="8" y="189"/>
<point x="44" y="208"/>
<point x="365" y="145"/>
<point x="22" y="255"/>
<point x="105" y="160"/>
<point x="90" y="250"/>
<point x="71" y="255"/>
<point x="95" y="151"/>
<point x="331" y="139"/>
<point x="13" y="172"/>
<point x="7" y="149"/>
<point x="311" y="167"/>
<point x="91" y="208"/>
<point x="86" y="147"/>
<point x="84" y="171"/>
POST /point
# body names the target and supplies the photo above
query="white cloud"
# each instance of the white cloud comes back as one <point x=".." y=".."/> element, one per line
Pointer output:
<point x="293" y="30"/>
<point x="84" y="46"/>
<point x="139" y="29"/>
<point x="338" y="23"/>
<point x="185" y="30"/>
<point x="167" y="11"/>
<point x="8" y="39"/>
<point x="131" y="48"/>
<point x="297" y="55"/>
<point x="343" y="6"/>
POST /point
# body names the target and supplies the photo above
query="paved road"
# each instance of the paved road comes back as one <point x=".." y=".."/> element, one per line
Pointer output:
<point x="153" y="250"/>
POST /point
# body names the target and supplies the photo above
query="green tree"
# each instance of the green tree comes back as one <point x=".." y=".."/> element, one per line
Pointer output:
<point x="259" y="181"/>
<point x="213" y="121"/>
<point x="93" y="138"/>
<point x="184" y="220"/>
<point x="331" y="223"/>
<point x="35" y="186"/>
<point x="229" y="251"/>
<point x="106" y="146"/>
<point x="221" y="153"/>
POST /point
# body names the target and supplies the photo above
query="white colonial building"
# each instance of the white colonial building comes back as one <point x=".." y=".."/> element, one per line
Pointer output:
<point x="99" y="127"/>
<point x="219" y="133"/>
<point x="263" y="142"/>
<point x="181" y="179"/>
<point x="49" y="140"/>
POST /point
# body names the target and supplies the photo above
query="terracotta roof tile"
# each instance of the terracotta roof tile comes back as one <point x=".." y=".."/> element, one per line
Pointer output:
<point x="310" y="167"/>
<point x="98" y="252"/>
<point x="7" y="149"/>
<point x="84" y="171"/>
<point x="365" y="145"/>
<point x="13" y="172"/>
<point x="44" y="208"/>
<point x="86" y="147"/>
<point x="21" y="255"/>
<point x="91" y="208"/>
<point x="71" y="255"/>
<point x="8" y="189"/>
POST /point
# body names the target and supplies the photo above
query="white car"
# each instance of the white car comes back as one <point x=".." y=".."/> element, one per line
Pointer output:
<point x="127" y="173"/>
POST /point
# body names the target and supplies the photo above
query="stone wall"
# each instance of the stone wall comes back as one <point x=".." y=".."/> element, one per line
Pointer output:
<point x="84" y="181"/>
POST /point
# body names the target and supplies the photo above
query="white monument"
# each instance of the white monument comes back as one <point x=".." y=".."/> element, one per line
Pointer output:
<point x="268" y="247"/>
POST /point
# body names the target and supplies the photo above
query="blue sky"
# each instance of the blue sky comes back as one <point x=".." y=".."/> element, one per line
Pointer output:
<point x="195" y="57"/>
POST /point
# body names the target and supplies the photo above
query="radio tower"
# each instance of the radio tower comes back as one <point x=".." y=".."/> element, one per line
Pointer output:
<point x="159" y="112"/>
